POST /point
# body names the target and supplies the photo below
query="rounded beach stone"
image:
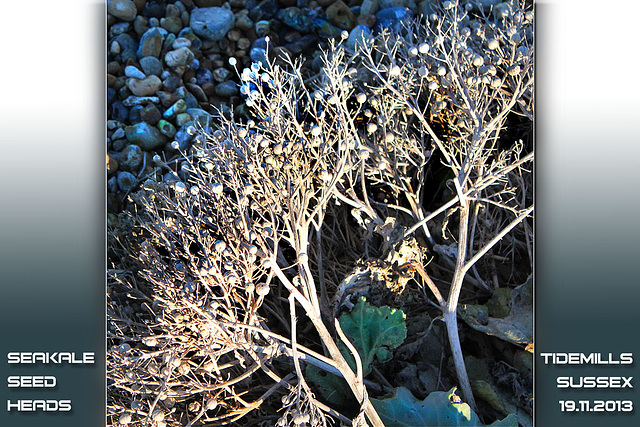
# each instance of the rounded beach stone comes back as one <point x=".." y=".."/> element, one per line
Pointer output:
<point x="151" y="66"/>
<point x="122" y="9"/>
<point x="130" y="158"/>
<point x="150" y="43"/>
<point x="126" y="180"/>
<point x="179" y="57"/>
<point x="144" y="87"/>
<point x="132" y="71"/>
<point x="146" y="136"/>
<point x="212" y="23"/>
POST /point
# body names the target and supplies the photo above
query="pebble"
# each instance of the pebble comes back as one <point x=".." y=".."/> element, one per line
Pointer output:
<point x="296" y="18"/>
<point x="166" y="128"/>
<point x="221" y="74"/>
<point x="197" y="92"/>
<point x="266" y="9"/>
<point x="150" y="114"/>
<point x="128" y="47"/>
<point x="130" y="158"/>
<point x="384" y="4"/>
<point x="144" y="87"/>
<point x="179" y="107"/>
<point x="126" y="181"/>
<point x="172" y="24"/>
<point x="212" y="23"/>
<point x="112" y="185"/>
<point x="171" y="83"/>
<point x="189" y="99"/>
<point x="203" y="76"/>
<point x="119" y="28"/>
<point x="226" y="89"/>
<point x="370" y="7"/>
<point x="140" y="100"/>
<point x="112" y="165"/>
<point x="341" y="16"/>
<point x="151" y="66"/>
<point x="140" y="25"/>
<point x="119" y="111"/>
<point x="181" y="42"/>
<point x="122" y="9"/>
<point x="150" y="43"/>
<point x="135" y="114"/>
<point x="146" y="136"/>
<point x="179" y="57"/>
<point x="132" y="71"/>
<point x="393" y="18"/>
<point x="358" y="35"/>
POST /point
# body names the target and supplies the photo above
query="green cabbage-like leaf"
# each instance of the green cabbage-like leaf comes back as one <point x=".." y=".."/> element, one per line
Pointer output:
<point x="374" y="332"/>
<point x="439" y="409"/>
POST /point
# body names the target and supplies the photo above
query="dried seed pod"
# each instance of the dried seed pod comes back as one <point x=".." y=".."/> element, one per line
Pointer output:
<point x="303" y="258"/>
<point x="124" y="419"/>
<point x="157" y="416"/>
<point x="372" y="127"/>
<point x="423" y="48"/>
<point x="150" y="341"/>
<point x="316" y="131"/>
<point x="514" y="70"/>
<point x="220" y="246"/>
<point x="361" y="98"/>
<point x="262" y="289"/>
<point x="493" y="44"/>
<point x="389" y="137"/>
<point x="442" y="71"/>
<point x="394" y="70"/>
<point x="217" y="188"/>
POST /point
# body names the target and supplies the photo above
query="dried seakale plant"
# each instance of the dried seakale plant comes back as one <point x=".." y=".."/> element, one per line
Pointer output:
<point x="230" y="259"/>
<point x="457" y="79"/>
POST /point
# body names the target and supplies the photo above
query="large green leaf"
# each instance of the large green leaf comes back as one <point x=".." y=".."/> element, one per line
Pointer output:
<point x="438" y="409"/>
<point x="374" y="332"/>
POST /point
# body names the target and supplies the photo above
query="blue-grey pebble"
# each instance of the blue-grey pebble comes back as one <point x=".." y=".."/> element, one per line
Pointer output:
<point x="188" y="97"/>
<point x="258" y="55"/>
<point x="133" y="71"/>
<point x="203" y="76"/>
<point x="151" y="42"/>
<point x="119" y="144"/>
<point x="171" y="83"/>
<point x="358" y="35"/>
<point x="112" y="185"/>
<point x="135" y="114"/>
<point x="393" y="18"/>
<point x="119" y="28"/>
<point x="130" y="158"/>
<point x="128" y="47"/>
<point x="151" y="66"/>
<point x="126" y="180"/>
<point x="212" y="23"/>
<point x="119" y="112"/>
<point x="263" y="10"/>
<point x="146" y="136"/>
<point x="111" y="93"/>
<point x="226" y="89"/>
<point x="187" y="33"/>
